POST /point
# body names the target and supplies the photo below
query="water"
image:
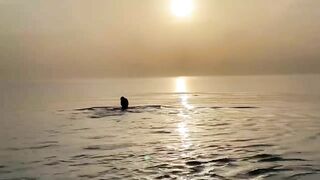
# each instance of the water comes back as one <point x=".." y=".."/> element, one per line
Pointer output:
<point x="263" y="127"/>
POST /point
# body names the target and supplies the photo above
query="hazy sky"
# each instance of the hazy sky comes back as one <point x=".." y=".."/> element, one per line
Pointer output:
<point x="103" y="38"/>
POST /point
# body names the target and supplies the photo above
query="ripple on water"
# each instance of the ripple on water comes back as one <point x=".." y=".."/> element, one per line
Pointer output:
<point x="43" y="146"/>
<point x="304" y="175"/>
<point x="3" y="169"/>
<point x="267" y="170"/>
<point x="193" y="163"/>
<point x="166" y="176"/>
<point x="216" y="176"/>
<point x="314" y="137"/>
<point x="271" y="158"/>
<point x="109" y="111"/>
<point x="100" y="137"/>
<point x="80" y="156"/>
<point x="81" y="164"/>
<point x="244" y="140"/>
<point x="196" y="169"/>
<point x="95" y="175"/>
<point x="161" y="132"/>
<point x="100" y="112"/>
<point x="220" y="124"/>
<point x="53" y="163"/>
<point x="109" y="146"/>
<point x="81" y="129"/>
<point x="257" y="146"/>
<point x="221" y="146"/>
<point x="32" y="147"/>
<point x="223" y="160"/>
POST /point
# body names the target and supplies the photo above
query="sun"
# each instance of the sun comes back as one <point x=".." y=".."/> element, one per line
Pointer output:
<point x="182" y="8"/>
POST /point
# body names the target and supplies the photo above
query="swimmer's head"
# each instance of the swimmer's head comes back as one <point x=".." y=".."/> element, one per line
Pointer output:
<point x="124" y="103"/>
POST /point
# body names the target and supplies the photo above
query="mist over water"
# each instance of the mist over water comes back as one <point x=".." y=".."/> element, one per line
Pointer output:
<point x="231" y="127"/>
<point x="80" y="38"/>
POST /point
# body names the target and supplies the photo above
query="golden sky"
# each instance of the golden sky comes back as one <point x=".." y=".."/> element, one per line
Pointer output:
<point x="104" y="38"/>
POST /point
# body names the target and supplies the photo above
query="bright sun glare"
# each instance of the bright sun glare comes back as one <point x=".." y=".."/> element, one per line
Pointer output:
<point x="181" y="85"/>
<point x="182" y="8"/>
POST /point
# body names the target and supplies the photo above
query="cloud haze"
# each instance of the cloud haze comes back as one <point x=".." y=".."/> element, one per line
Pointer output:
<point x="80" y="38"/>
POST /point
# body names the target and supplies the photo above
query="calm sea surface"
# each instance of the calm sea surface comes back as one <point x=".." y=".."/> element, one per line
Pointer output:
<point x="237" y="127"/>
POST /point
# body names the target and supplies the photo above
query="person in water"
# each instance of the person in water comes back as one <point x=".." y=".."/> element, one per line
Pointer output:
<point x="124" y="103"/>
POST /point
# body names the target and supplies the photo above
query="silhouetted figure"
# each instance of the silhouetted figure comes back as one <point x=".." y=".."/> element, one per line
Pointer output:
<point x="124" y="103"/>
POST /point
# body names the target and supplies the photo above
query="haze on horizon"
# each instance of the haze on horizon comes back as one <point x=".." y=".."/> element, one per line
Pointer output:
<point x="79" y="38"/>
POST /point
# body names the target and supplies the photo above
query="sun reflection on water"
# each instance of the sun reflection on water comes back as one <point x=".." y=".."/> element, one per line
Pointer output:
<point x="184" y="101"/>
<point x="182" y="89"/>
<point x="184" y="112"/>
<point x="184" y="135"/>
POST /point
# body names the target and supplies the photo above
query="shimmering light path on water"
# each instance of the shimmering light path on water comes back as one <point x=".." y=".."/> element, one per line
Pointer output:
<point x="183" y="135"/>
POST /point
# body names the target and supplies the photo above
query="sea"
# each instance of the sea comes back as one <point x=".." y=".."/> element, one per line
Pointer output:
<point x="219" y="127"/>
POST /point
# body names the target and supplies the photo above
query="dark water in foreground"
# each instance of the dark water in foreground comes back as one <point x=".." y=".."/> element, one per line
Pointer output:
<point x="74" y="130"/>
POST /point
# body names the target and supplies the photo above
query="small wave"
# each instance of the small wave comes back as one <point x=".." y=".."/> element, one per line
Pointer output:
<point x="314" y="137"/>
<point x="223" y="160"/>
<point x="48" y="142"/>
<point x="2" y="166"/>
<point x="303" y="175"/>
<point x="53" y="131"/>
<point x="81" y="129"/>
<point x="81" y="164"/>
<point x="196" y="169"/>
<point x="32" y="147"/>
<point x="43" y="147"/>
<point x="34" y="162"/>
<point x="5" y="171"/>
<point x="108" y="146"/>
<point x="214" y="107"/>
<point x="262" y="171"/>
<point x="194" y="163"/>
<point x="24" y="178"/>
<point x="220" y="124"/>
<point x="244" y="107"/>
<point x="161" y="132"/>
<point x="176" y="171"/>
<point x="216" y="176"/>
<point x="114" y="108"/>
<point x="234" y="107"/>
<point x="98" y="174"/>
<point x="100" y="137"/>
<point x="257" y="146"/>
<point x="278" y="158"/>
<point x="271" y="158"/>
<point x="261" y="156"/>
<point x="242" y="140"/>
<point x="80" y="156"/>
<point x="50" y="157"/>
<point x="107" y="111"/>
<point x="166" y="176"/>
<point x="54" y="163"/>
<point x="161" y="166"/>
